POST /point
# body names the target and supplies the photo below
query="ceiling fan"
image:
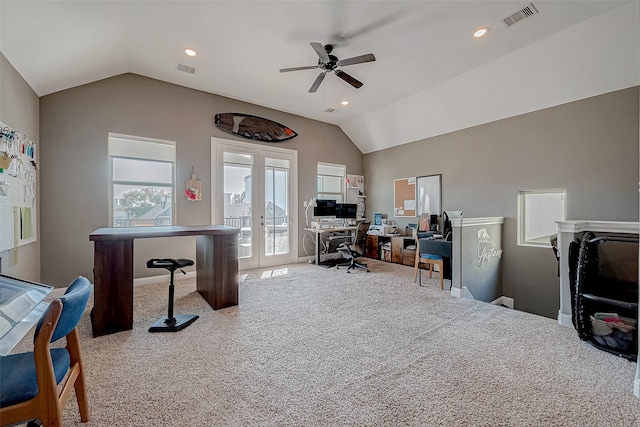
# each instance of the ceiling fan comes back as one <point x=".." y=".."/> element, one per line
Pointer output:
<point x="328" y="63"/>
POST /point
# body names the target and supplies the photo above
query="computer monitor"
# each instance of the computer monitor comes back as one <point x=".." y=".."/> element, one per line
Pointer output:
<point x="346" y="210"/>
<point x="325" y="208"/>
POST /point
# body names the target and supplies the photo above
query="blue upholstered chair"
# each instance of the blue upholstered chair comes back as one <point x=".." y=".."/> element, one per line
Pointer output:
<point x="29" y="381"/>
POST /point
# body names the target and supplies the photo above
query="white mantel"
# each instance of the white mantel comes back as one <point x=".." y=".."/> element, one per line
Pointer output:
<point x="567" y="231"/>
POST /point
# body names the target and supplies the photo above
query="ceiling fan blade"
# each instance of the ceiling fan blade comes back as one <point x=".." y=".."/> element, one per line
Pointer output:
<point x="319" y="48"/>
<point x="356" y="60"/>
<point x="307" y="67"/>
<point x="316" y="84"/>
<point x="347" y="78"/>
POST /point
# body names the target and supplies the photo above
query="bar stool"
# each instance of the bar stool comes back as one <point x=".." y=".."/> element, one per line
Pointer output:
<point x="171" y="323"/>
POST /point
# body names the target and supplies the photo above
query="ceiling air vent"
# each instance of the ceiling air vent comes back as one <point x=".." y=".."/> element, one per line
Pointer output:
<point x="329" y="110"/>
<point x="186" y="68"/>
<point x="527" y="12"/>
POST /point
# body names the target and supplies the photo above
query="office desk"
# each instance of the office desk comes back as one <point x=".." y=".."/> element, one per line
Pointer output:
<point x="318" y="232"/>
<point x="216" y="270"/>
<point x="21" y="306"/>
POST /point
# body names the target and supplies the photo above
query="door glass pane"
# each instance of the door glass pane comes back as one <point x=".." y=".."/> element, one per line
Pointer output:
<point x="237" y="198"/>
<point x="277" y="239"/>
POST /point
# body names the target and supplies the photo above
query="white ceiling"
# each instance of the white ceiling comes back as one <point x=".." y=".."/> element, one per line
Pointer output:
<point x="430" y="75"/>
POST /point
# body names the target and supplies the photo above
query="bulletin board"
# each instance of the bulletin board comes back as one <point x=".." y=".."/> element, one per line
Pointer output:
<point x="18" y="210"/>
<point x="404" y="196"/>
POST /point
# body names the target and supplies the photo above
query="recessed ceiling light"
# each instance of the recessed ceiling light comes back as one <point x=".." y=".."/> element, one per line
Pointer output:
<point x="190" y="52"/>
<point x="344" y="102"/>
<point x="481" y="32"/>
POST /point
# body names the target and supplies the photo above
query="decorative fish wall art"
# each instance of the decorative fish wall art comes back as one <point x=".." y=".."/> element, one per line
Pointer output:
<point x="253" y="127"/>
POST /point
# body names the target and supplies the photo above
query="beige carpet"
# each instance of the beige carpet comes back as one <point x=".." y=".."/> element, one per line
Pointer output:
<point x="310" y="346"/>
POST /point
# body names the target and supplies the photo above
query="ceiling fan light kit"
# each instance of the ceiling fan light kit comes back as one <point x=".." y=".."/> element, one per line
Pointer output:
<point x="328" y="63"/>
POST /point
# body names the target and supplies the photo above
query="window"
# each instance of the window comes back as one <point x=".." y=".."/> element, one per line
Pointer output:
<point x="538" y="212"/>
<point x="142" y="181"/>
<point x="331" y="182"/>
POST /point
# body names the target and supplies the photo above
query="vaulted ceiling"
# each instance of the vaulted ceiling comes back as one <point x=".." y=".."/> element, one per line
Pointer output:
<point x="430" y="76"/>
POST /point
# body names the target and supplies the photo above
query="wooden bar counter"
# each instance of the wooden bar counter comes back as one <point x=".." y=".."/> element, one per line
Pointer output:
<point x="216" y="270"/>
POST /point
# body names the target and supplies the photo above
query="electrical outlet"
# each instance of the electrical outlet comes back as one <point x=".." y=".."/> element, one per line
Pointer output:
<point x="304" y="204"/>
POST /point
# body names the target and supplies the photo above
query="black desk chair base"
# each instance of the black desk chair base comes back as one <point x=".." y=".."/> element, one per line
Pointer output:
<point x="358" y="265"/>
<point x="171" y="323"/>
<point x="353" y="264"/>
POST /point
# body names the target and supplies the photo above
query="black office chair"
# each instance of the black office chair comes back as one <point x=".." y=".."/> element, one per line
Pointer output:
<point x="356" y="249"/>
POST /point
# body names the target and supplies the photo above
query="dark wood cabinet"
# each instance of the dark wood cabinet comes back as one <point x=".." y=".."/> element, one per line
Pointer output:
<point x="402" y="249"/>
<point x="371" y="246"/>
<point x="397" y="244"/>
<point x="409" y="257"/>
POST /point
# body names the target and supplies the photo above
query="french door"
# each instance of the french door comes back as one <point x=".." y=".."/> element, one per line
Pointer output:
<point x="254" y="189"/>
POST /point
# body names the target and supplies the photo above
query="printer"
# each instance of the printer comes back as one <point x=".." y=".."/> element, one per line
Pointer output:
<point x="381" y="230"/>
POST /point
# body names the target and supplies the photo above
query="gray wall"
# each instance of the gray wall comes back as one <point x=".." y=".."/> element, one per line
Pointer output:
<point x="19" y="107"/>
<point x="74" y="126"/>
<point x="589" y="147"/>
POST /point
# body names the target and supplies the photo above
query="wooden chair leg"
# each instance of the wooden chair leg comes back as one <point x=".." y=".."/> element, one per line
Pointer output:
<point x="81" y="396"/>
<point x="79" y="384"/>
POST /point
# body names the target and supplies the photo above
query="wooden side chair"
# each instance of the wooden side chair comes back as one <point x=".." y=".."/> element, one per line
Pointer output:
<point x="428" y="260"/>
<point x="29" y="381"/>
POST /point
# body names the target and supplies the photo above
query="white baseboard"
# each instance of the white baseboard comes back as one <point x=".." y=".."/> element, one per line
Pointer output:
<point x="461" y="293"/>
<point x="506" y="301"/>
<point x="165" y="278"/>
<point x="565" y="320"/>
